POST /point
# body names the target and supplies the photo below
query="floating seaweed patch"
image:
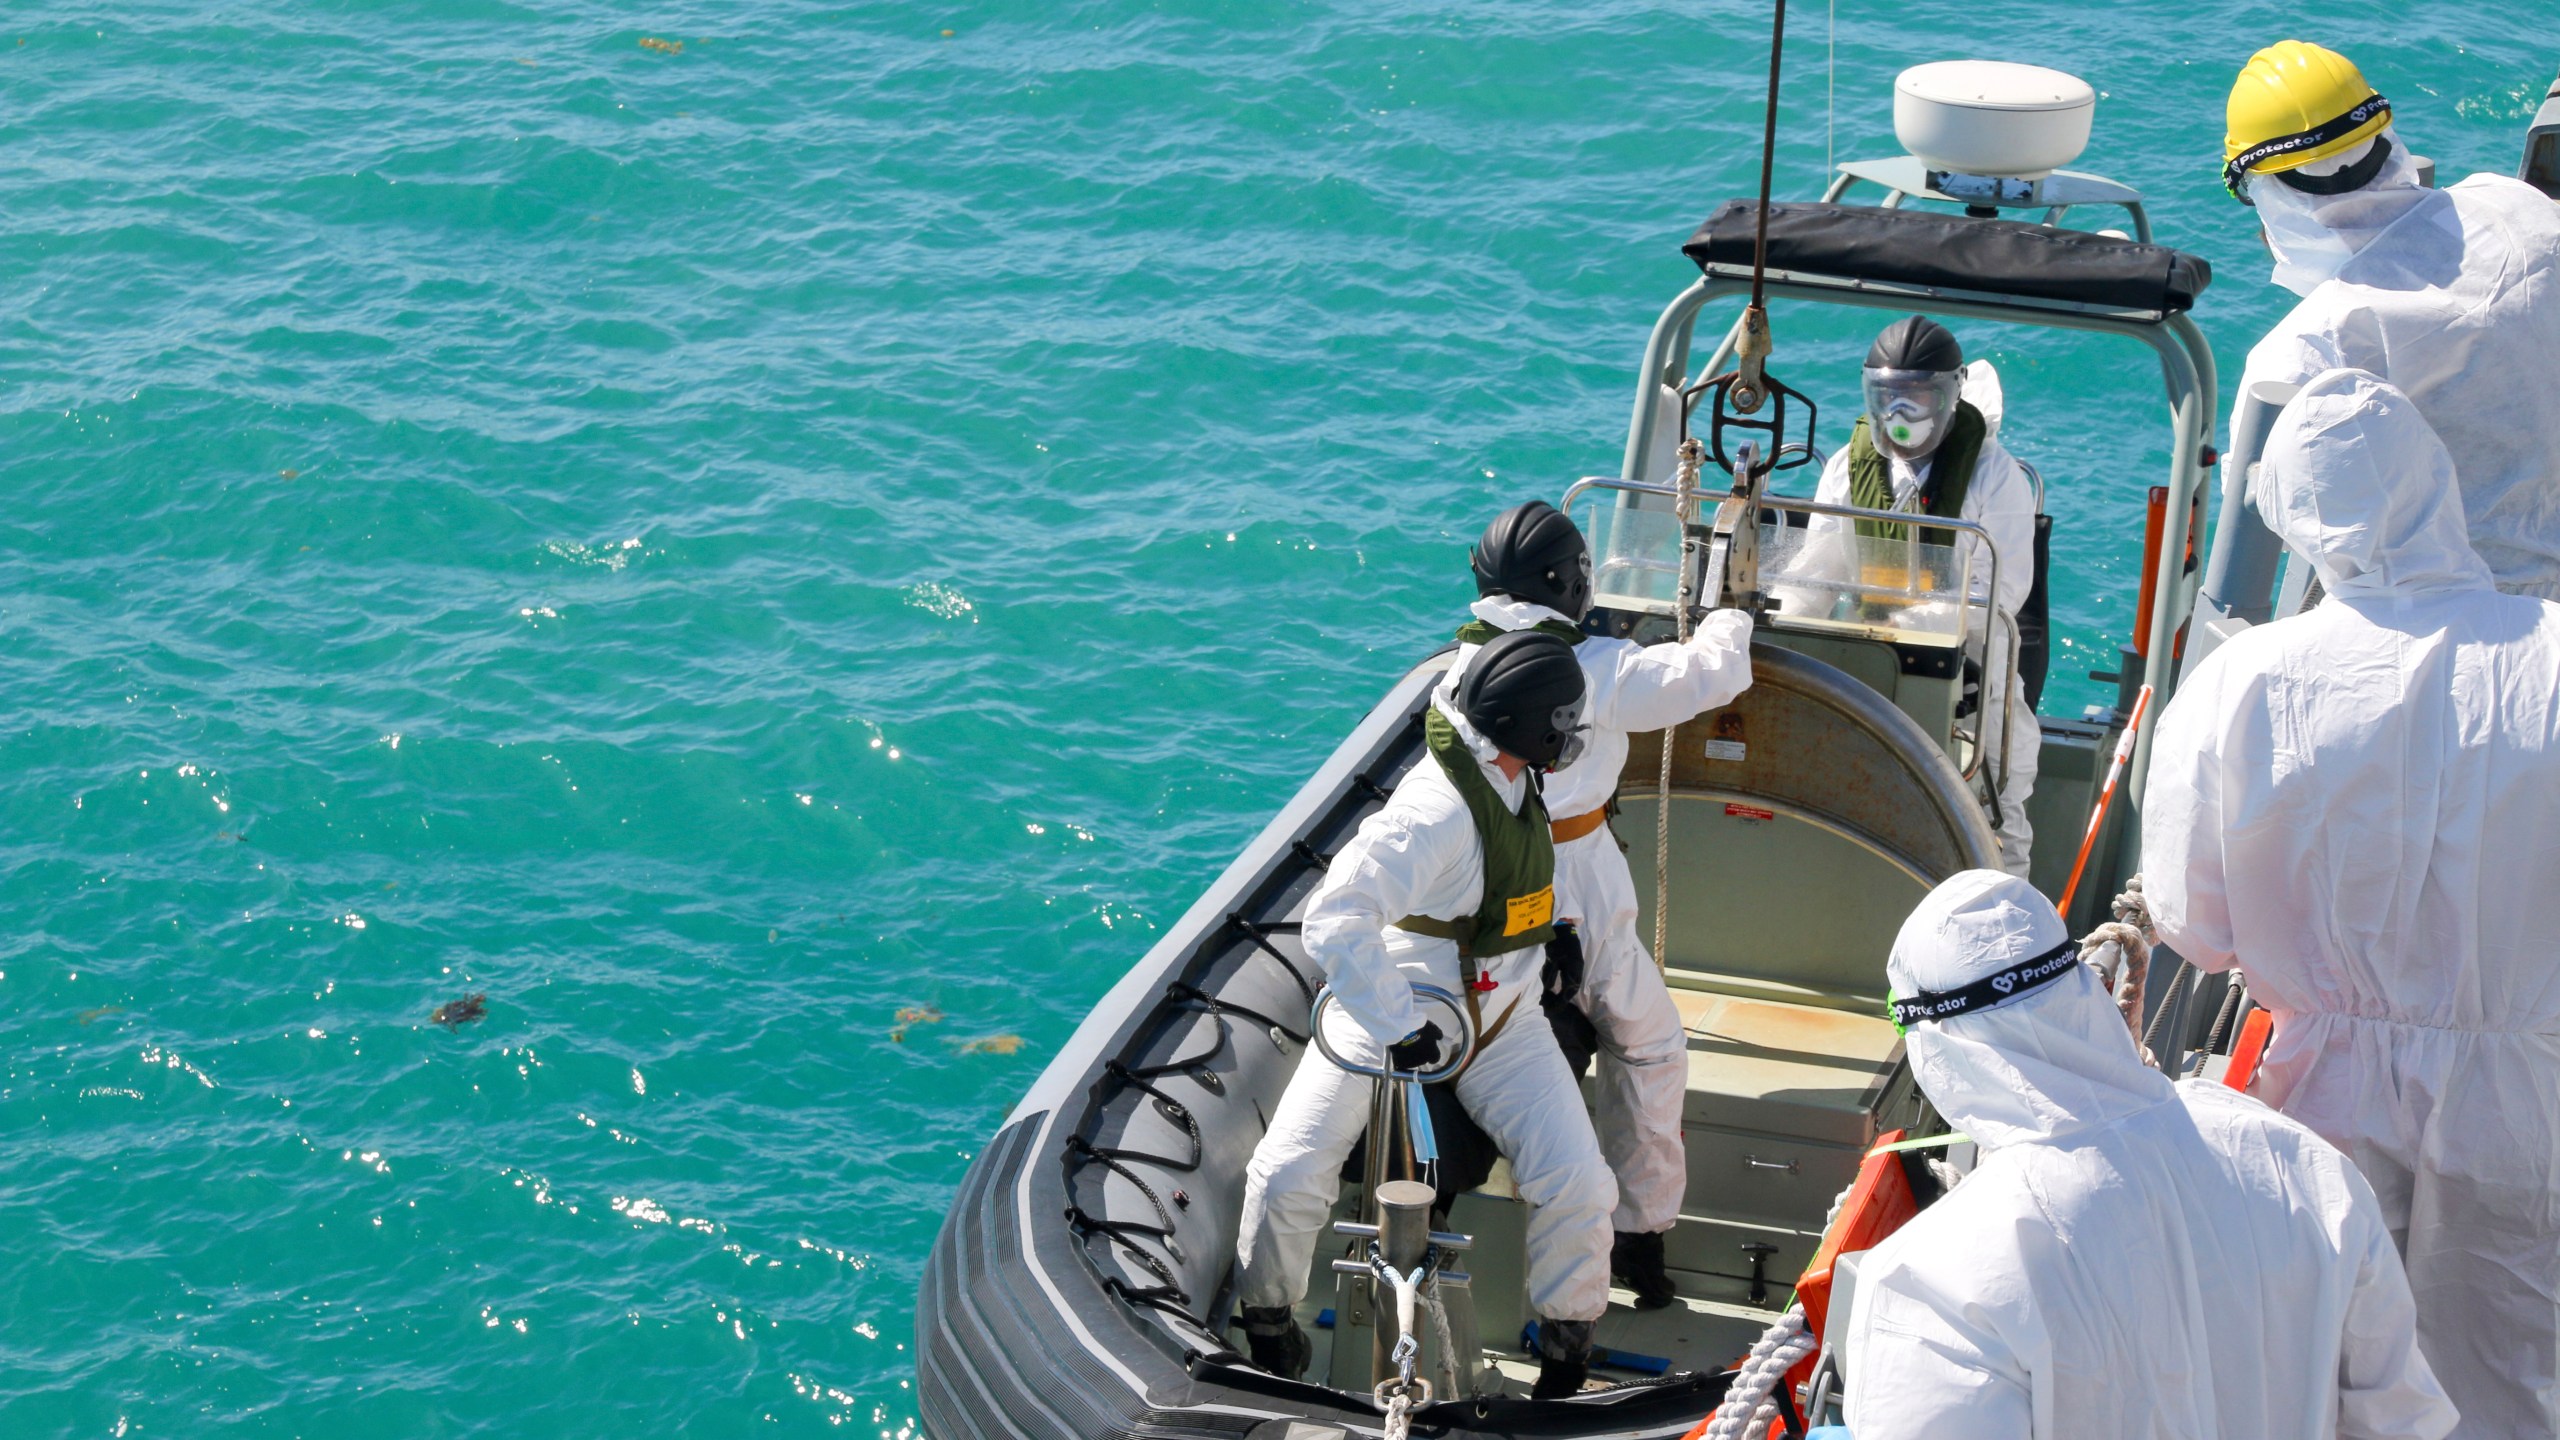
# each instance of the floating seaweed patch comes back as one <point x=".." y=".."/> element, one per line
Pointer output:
<point x="663" y="47"/>
<point x="453" y="1014"/>
<point x="991" y="1045"/>
<point x="913" y="1015"/>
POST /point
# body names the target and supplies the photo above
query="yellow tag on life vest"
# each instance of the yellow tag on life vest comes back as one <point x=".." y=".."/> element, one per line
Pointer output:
<point x="1528" y="912"/>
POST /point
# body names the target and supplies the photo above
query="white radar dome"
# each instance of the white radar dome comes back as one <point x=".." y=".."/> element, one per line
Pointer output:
<point x="1992" y="117"/>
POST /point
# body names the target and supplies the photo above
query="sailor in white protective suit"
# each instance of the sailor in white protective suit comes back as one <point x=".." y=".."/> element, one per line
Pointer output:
<point x="2359" y="807"/>
<point x="1450" y="884"/>
<point x="2131" y="1258"/>
<point x="1908" y="452"/>
<point x="2452" y="295"/>
<point x="1533" y="572"/>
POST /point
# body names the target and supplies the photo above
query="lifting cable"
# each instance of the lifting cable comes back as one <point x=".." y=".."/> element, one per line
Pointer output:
<point x="1753" y="351"/>
<point x="1748" y="389"/>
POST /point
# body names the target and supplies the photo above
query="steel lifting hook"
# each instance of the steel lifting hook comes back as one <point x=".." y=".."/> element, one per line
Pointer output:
<point x="1751" y="352"/>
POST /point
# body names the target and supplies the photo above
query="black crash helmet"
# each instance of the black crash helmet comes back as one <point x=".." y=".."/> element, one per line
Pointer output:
<point x="1915" y="342"/>
<point x="1523" y="691"/>
<point x="1533" y="552"/>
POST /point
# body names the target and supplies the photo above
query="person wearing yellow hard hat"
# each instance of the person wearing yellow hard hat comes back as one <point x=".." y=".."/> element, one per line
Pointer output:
<point x="2452" y="295"/>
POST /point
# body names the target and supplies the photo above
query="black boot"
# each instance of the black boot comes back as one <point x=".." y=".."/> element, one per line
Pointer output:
<point x="1635" y="1261"/>
<point x="1271" y="1333"/>
<point x="1564" y="1358"/>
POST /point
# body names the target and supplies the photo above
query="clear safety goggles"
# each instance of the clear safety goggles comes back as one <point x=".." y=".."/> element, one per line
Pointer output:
<point x="1908" y="410"/>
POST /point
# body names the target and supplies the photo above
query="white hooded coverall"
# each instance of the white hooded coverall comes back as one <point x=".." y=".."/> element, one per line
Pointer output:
<point x="1644" y="1047"/>
<point x="2360" y="808"/>
<point x="1419" y="855"/>
<point x="2453" y="296"/>
<point x="2132" y="1259"/>
<point x="2002" y="500"/>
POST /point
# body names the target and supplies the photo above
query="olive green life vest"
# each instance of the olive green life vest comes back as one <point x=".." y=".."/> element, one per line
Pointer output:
<point x="1478" y="632"/>
<point x="1519" y="905"/>
<point x="1950" y="475"/>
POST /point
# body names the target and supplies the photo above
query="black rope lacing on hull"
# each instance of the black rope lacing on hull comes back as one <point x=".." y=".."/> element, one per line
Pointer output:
<point x="1260" y="934"/>
<point x="1135" y="1239"/>
<point x="1167" y="1293"/>
<point x="1182" y="993"/>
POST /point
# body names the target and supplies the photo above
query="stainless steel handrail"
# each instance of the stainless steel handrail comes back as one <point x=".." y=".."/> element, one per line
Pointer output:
<point x="1451" y="1063"/>
<point x="1987" y="602"/>
<point x="2187" y="368"/>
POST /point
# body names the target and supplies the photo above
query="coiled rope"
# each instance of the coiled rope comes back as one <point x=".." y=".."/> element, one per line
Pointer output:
<point x="1751" y="1402"/>
<point x="1751" y="1405"/>
<point x="2120" y="951"/>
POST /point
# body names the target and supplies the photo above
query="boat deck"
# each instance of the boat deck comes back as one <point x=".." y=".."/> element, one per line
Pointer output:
<point x="1783" y="1100"/>
<point x="1694" y="1334"/>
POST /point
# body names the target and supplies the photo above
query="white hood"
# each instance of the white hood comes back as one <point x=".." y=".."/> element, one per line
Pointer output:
<point x="2357" y="481"/>
<point x="1503" y="612"/>
<point x="2313" y="237"/>
<point x="2053" y="1061"/>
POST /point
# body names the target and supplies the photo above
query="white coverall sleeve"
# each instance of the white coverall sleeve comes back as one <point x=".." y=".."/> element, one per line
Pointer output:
<point x="1658" y="685"/>
<point x="2003" y="501"/>
<point x="2385" y="1386"/>
<point x="1372" y="883"/>
<point x="2183" y="877"/>
<point x="1922" y="1372"/>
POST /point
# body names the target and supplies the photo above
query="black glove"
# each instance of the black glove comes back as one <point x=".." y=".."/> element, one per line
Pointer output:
<point x="1562" y="973"/>
<point x="1417" y="1051"/>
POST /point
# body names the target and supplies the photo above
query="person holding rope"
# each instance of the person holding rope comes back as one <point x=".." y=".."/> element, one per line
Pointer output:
<point x="1452" y="884"/>
<point x="2131" y="1258"/>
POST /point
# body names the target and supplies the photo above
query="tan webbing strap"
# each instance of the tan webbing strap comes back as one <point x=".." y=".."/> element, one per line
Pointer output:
<point x="1484" y="1037"/>
<point x="1461" y="930"/>
<point x="1566" y="831"/>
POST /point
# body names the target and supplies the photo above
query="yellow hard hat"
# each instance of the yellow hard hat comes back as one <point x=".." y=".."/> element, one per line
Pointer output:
<point x="2295" y="103"/>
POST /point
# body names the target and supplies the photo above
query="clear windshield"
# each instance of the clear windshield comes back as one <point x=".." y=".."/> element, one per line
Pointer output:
<point x="1894" y="587"/>
<point x="1637" y="555"/>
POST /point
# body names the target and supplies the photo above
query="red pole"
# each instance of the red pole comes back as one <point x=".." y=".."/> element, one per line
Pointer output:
<point x="2107" y="794"/>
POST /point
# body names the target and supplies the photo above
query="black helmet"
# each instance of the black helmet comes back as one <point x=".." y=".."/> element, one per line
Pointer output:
<point x="1523" y="691"/>
<point x="1533" y="552"/>
<point x="1915" y="342"/>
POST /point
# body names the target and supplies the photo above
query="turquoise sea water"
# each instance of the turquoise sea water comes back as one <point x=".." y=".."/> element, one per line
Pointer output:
<point x="714" y="547"/>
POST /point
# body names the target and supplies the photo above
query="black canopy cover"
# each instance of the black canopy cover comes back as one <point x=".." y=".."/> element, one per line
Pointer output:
<point x="1956" y="252"/>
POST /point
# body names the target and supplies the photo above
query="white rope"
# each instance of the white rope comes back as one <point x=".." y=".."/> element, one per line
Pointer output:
<point x="1399" y="1394"/>
<point x="1692" y="455"/>
<point x="2120" y="951"/>
<point x="1407" y="1288"/>
<point x="2134" y="908"/>
<point x="1399" y="1416"/>
<point x="1751" y="1405"/>
<point x="1448" y="1346"/>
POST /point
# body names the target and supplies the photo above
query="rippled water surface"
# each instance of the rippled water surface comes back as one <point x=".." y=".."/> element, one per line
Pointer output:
<point x="716" y="525"/>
